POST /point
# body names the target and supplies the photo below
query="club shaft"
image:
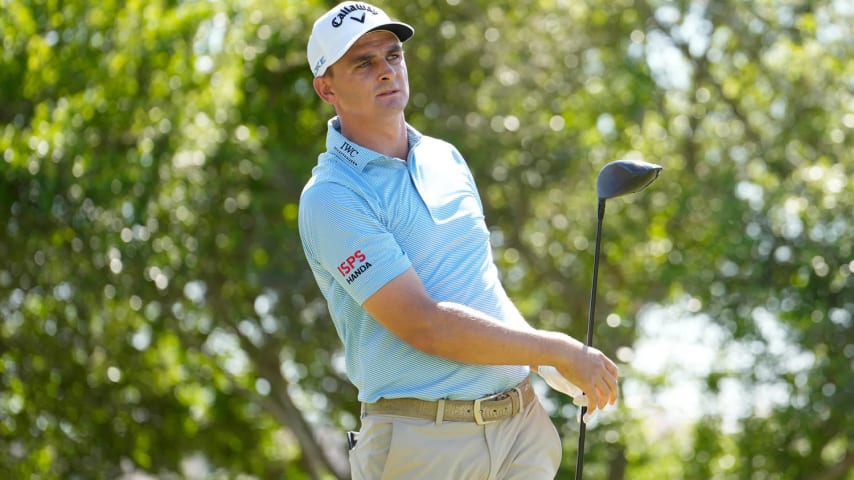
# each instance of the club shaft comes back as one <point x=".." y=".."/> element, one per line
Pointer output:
<point x="579" y="462"/>
<point x="579" y="459"/>
<point x="592" y="309"/>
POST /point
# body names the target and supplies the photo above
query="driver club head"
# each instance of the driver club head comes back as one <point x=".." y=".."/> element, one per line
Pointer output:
<point x="625" y="176"/>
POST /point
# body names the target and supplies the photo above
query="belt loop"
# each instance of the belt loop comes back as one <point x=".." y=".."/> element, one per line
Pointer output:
<point x="440" y="411"/>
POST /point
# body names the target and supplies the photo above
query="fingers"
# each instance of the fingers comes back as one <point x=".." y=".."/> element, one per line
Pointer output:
<point x="599" y="400"/>
<point x="595" y="374"/>
<point x="596" y="400"/>
<point x="612" y="386"/>
<point x="605" y="387"/>
<point x="612" y="368"/>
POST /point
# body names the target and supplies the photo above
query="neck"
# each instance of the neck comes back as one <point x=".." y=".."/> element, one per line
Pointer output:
<point x="387" y="137"/>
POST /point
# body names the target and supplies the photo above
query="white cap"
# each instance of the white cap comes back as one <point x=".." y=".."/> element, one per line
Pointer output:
<point x="337" y="30"/>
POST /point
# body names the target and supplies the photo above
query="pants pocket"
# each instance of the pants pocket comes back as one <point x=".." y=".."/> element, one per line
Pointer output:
<point x="423" y="450"/>
<point x="368" y="457"/>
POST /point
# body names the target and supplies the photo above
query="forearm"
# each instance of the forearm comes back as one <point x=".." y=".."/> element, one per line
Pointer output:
<point x="456" y="332"/>
<point x="459" y="333"/>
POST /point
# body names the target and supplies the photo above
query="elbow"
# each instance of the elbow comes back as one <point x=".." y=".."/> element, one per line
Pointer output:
<point x="425" y="341"/>
<point x="423" y="330"/>
<point x="422" y="334"/>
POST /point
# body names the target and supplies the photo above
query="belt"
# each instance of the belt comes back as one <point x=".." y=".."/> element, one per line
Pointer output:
<point x="481" y="411"/>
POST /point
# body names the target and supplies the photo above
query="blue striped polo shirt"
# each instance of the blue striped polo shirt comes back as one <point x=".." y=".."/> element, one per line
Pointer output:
<point x="364" y="219"/>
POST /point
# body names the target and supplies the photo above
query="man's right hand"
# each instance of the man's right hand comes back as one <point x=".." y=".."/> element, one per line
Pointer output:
<point x="594" y="373"/>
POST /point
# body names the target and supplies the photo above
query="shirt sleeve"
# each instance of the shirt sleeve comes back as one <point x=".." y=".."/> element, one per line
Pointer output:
<point x="346" y="238"/>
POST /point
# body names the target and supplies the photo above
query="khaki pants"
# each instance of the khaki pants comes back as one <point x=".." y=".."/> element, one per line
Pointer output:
<point x="523" y="447"/>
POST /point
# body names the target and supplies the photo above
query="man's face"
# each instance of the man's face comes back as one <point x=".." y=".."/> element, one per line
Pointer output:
<point x="370" y="80"/>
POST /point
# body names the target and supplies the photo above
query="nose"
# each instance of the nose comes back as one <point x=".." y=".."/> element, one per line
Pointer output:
<point x="387" y="70"/>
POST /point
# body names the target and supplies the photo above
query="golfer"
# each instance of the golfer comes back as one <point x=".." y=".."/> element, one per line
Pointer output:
<point x="393" y="229"/>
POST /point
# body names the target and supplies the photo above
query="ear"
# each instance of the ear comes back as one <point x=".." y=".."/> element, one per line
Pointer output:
<point x="324" y="90"/>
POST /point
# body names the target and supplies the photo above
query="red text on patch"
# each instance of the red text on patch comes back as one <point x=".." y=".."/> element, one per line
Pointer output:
<point x="348" y="265"/>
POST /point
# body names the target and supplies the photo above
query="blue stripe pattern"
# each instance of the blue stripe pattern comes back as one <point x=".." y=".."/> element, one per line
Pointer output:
<point x="364" y="219"/>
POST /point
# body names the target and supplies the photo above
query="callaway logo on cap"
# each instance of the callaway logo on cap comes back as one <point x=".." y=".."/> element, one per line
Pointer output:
<point x="337" y="30"/>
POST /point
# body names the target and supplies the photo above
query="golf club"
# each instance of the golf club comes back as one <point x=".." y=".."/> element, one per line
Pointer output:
<point x="615" y="179"/>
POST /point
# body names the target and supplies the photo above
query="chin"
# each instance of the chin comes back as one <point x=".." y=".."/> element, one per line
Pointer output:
<point x="395" y="105"/>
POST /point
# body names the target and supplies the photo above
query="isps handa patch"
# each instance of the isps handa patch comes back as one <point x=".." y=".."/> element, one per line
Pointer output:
<point x="355" y="265"/>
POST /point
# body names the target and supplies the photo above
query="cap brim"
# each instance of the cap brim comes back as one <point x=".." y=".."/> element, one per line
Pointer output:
<point x="402" y="31"/>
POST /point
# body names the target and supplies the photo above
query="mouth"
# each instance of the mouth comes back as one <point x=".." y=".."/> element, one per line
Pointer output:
<point x="388" y="93"/>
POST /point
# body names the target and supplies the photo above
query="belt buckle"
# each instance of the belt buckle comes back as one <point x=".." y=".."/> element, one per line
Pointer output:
<point x="478" y="412"/>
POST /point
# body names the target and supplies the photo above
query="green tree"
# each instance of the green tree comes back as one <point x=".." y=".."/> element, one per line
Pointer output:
<point x="157" y="309"/>
<point x="156" y="304"/>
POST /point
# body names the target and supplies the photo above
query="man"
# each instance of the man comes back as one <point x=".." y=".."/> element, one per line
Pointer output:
<point x="393" y="229"/>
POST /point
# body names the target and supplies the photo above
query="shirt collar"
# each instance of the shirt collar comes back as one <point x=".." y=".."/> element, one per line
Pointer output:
<point x="354" y="154"/>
